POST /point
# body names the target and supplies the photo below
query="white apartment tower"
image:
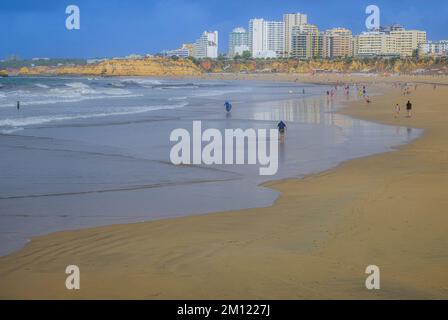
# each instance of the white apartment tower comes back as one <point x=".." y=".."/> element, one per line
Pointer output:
<point x="274" y="33"/>
<point x="207" y="45"/>
<point x="256" y="36"/>
<point x="291" y="20"/>
<point x="238" y="41"/>
<point x="266" y="38"/>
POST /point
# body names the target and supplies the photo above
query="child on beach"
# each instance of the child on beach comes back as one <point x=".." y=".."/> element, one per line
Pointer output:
<point x="397" y="110"/>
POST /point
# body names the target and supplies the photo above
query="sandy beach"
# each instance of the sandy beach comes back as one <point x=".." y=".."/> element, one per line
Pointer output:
<point x="315" y="242"/>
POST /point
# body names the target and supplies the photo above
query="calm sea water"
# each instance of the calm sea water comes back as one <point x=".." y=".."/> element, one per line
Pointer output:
<point x="85" y="152"/>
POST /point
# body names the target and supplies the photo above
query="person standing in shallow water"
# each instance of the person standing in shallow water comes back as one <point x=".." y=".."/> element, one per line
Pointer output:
<point x="18" y="105"/>
<point x="409" y="108"/>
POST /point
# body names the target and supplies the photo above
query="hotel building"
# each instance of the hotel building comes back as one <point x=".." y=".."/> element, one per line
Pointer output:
<point x="338" y="42"/>
<point x="374" y="43"/>
<point x="291" y="20"/>
<point x="185" y="51"/>
<point x="238" y="42"/>
<point x="401" y="43"/>
<point x="207" y="45"/>
<point x="306" y="42"/>
<point x="266" y="38"/>
<point x="408" y="41"/>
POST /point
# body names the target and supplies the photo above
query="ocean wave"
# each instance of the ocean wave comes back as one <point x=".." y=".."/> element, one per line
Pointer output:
<point x="77" y="85"/>
<point x="43" y="86"/>
<point x="140" y="82"/>
<point x="176" y="86"/>
<point x="65" y="100"/>
<point x="36" y="120"/>
<point x="70" y="92"/>
<point x="10" y="131"/>
<point x="177" y="98"/>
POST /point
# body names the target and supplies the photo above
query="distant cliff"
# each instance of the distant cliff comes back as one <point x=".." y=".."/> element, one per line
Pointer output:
<point x="434" y="65"/>
<point x="192" y="67"/>
<point x="141" y="67"/>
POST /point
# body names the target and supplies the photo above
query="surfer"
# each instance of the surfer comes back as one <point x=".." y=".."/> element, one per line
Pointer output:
<point x="18" y="105"/>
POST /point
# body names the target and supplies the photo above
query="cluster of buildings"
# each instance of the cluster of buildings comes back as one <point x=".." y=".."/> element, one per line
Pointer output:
<point x="206" y="46"/>
<point x="295" y="38"/>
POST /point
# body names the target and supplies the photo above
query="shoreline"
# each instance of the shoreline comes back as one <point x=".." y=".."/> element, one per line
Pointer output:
<point x="167" y="259"/>
<point x="258" y="197"/>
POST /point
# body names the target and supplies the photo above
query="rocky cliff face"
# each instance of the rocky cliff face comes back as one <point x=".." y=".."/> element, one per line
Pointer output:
<point x="186" y="67"/>
<point x="142" y="67"/>
<point x="347" y="65"/>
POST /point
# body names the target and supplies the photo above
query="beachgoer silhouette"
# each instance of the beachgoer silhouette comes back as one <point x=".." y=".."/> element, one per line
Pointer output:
<point x="281" y="129"/>
<point x="409" y="108"/>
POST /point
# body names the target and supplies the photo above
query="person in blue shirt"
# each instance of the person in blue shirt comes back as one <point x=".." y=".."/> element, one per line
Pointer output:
<point x="281" y="127"/>
<point x="228" y="106"/>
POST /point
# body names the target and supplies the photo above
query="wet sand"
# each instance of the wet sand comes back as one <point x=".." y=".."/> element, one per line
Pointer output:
<point x="387" y="210"/>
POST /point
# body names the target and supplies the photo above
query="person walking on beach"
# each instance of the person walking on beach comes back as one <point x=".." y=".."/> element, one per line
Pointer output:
<point x="409" y="108"/>
<point x="281" y="130"/>
<point x="397" y="110"/>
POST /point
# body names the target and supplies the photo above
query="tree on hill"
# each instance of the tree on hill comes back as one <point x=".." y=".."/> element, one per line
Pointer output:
<point x="246" y="55"/>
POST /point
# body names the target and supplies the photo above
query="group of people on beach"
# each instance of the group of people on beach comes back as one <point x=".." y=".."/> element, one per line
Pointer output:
<point x="408" y="109"/>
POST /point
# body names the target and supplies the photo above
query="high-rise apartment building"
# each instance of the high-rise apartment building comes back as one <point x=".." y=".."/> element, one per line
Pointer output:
<point x="207" y="45"/>
<point x="408" y="41"/>
<point x="374" y="43"/>
<point x="403" y="43"/>
<point x="238" y="41"/>
<point x="306" y="42"/>
<point x="337" y="43"/>
<point x="274" y="32"/>
<point x="266" y="38"/>
<point x="291" y="20"/>
<point x="256" y="36"/>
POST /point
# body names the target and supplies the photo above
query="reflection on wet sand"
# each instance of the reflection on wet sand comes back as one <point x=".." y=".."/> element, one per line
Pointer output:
<point x="311" y="110"/>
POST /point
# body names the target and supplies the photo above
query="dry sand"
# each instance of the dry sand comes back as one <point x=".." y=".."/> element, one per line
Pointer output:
<point x="389" y="210"/>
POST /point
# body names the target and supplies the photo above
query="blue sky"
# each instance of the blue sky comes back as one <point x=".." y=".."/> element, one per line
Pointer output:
<point x="31" y="28"/>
